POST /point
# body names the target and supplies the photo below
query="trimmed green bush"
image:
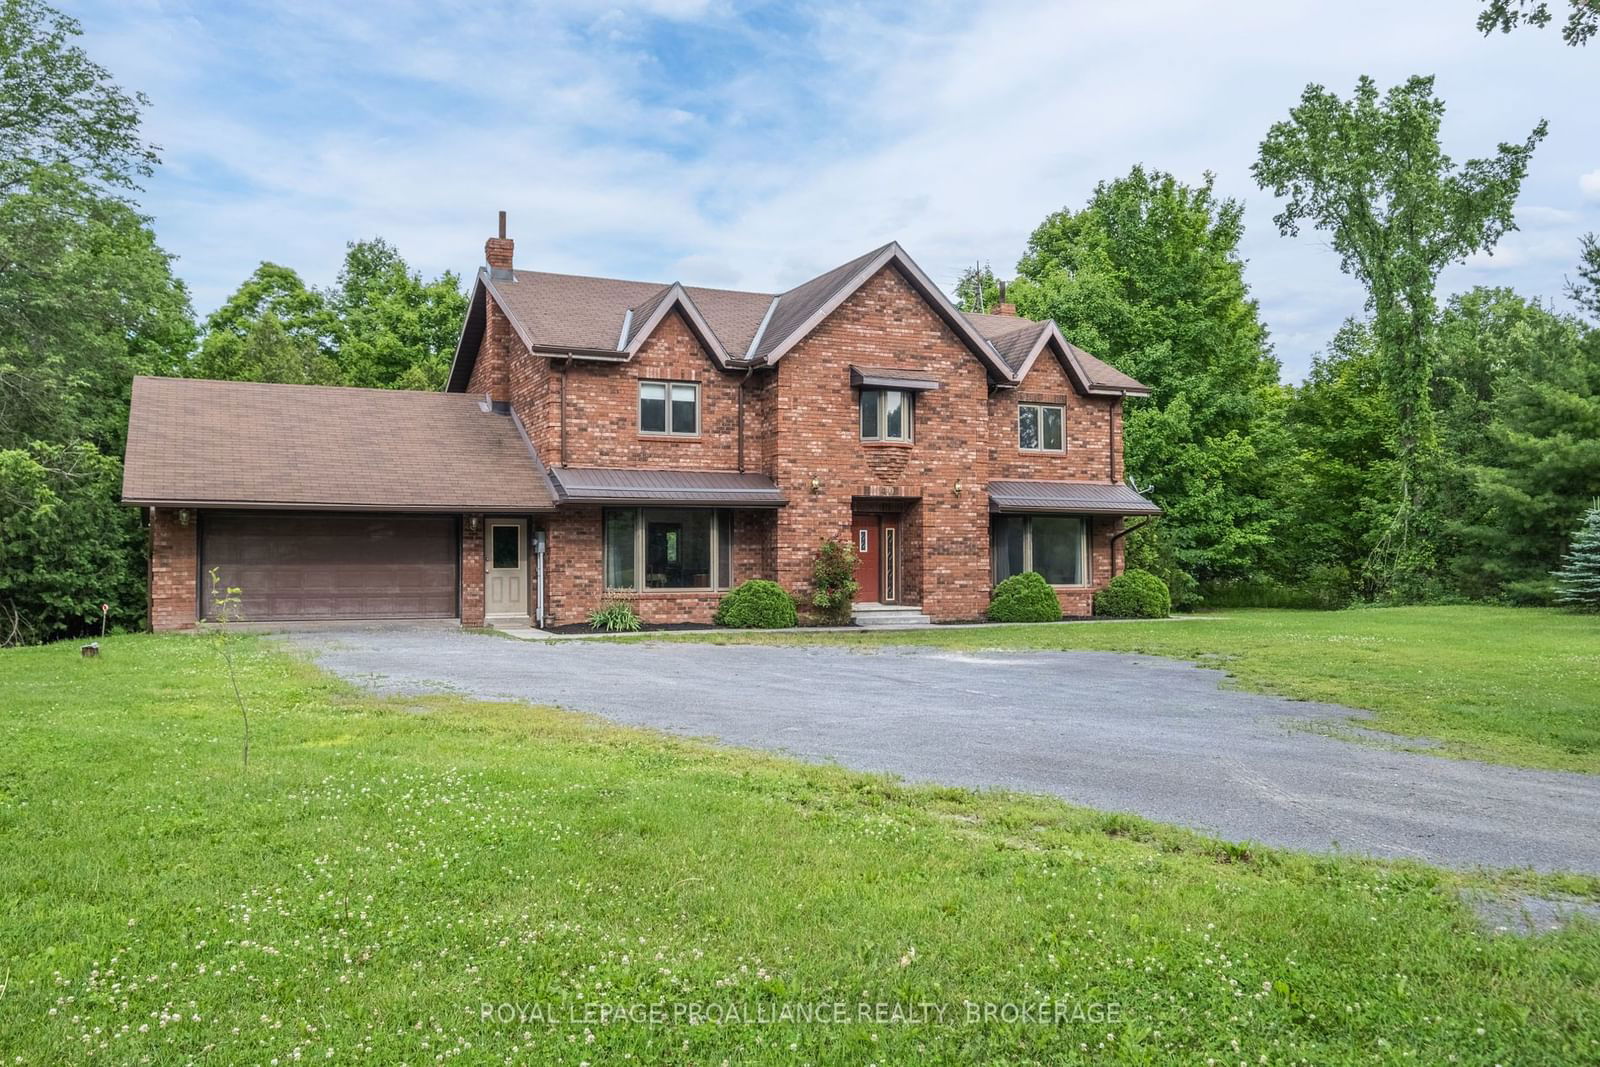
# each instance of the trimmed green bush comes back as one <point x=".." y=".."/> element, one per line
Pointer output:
<point x="1134" y="594"/>
<point x="1025" y="597"/>
<point x="757" y="604"/>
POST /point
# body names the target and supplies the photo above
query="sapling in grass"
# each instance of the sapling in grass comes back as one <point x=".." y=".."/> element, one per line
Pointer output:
<point x="227" y="607"/>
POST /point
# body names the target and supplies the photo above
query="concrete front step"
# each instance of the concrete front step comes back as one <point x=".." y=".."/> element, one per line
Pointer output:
<point x="879" y="615"/>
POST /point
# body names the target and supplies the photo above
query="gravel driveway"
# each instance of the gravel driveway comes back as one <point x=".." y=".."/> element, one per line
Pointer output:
<point x="1140" y="734"/>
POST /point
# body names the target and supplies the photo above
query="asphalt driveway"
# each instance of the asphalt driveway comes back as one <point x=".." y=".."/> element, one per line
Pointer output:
<point x="1140" y="734"/>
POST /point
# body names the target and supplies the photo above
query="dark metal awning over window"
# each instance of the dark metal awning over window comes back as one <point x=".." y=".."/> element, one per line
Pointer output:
<point x="605" y="485"/>
<point x="1077" y="498"/>
<point x="889" y="378"/>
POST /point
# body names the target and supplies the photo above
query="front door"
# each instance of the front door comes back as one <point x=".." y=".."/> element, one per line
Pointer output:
<point x="877" y="559"/>
<point x="505" y="579"/>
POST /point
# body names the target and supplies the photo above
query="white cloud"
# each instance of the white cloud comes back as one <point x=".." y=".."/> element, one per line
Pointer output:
<point x="675" y="139"/>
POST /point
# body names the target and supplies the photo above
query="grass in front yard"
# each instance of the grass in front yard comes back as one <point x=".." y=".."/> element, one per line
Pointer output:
<point x="389" y="867"/>
<point x="1506" y="685"/>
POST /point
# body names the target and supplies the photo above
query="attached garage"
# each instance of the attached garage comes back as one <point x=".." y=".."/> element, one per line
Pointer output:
<point x="296" y="567"/>
<point x="326" y="503"/>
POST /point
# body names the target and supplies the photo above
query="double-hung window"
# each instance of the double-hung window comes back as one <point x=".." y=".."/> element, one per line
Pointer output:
<point x="1040" y="428"/>
<point x="669" y="408"/>
<point x="886" y="415"/>
<point x="668" y="548"/>
<point x="1055" y="546"/>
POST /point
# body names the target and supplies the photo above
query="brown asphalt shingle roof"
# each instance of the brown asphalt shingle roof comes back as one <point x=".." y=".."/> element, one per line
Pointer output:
<point x="1014" y="338"/>
<point x="248" y="444"/>
<point x="587" y="314"/>
<point x="570" y="310"/>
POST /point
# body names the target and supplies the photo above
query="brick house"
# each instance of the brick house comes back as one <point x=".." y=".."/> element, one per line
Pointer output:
<point x="602" y="439"/>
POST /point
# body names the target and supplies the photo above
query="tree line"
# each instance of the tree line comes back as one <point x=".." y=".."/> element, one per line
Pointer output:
<point x="1434" y="451"/>
<point x="89" y="299"/>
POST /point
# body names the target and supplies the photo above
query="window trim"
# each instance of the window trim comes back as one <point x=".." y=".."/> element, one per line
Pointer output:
<point x="1040" y="407"/>
<point x="908" y="408"/>
<point x="1085" y="549"/>
<point x="720" y="583"/>
<point x="669" y="385"/>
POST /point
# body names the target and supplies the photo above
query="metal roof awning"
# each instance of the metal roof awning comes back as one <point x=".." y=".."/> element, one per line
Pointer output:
<point x="889" y="378"/>
<point x="606" y="485"/>
<point x="1076" y="498"/>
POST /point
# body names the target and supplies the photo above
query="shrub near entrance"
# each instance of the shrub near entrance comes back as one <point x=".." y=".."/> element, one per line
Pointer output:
<point x="757" y="604"/>
<point x="1025" y="597"/>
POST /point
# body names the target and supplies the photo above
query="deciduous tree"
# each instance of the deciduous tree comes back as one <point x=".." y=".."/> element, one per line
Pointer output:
<point x="1370" y="172"/>
<point x="1582" y="22"/>
<point x="391" y="328"/>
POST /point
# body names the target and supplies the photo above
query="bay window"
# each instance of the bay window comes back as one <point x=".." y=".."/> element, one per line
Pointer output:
<point x="668" y="548"/>
<point x="886" y="415"/>
<point x="1055" y="546"/>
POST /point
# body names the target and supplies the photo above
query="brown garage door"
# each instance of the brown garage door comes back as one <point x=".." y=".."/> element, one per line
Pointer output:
<point x="291" y="566"/>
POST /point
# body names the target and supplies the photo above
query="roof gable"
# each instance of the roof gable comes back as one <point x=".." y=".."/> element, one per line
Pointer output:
<point x="610" y="319"/>
<point x="805" y="307"/>
<point x="653" y="311"/>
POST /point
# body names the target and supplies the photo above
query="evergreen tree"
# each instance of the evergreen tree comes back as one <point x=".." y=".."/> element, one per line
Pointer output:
<point x="1578" y="579"/>
<point x="1542" y="461"/>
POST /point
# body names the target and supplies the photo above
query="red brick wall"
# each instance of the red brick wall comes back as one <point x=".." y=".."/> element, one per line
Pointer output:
<point x="490" y="370"/>
<point x="1090" y="422"/>
<point x="174" y="570"/>
<point x="1093" y="429"/>
<point x="800" y="424"/>
<point x="472" y="571"/>
<point x="602" y="408"/>
<point x="944" y="550"/>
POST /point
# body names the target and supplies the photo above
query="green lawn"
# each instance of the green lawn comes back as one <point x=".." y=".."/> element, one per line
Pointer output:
<point x="387" y="868"/>
<point x="1507" y="685"/>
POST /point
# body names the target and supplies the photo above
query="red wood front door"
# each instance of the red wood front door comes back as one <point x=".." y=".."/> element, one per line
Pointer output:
<point x="869" y="562"/>
<point x="877" y="558"/>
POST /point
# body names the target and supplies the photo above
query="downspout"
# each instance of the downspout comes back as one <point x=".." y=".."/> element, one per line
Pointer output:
<point x="742" y="383"/>
<point x="1126" y="530"/>
<point x="563" y="402"/>
<point x="538" y="570"/>
<point x="1117" y="535"/>
<point x="1111" y="440"/>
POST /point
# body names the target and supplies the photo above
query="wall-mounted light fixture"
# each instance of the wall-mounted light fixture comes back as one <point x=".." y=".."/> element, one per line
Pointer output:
<point x="183" y="516"/>
<point x="816" y="484"/>
<point x="958" y="487"/>
<point x="472" y="524"/>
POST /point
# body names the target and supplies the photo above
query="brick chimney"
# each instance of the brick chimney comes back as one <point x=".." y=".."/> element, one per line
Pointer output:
<point x="1001" y="307"/>
<point x="497" y="253"/>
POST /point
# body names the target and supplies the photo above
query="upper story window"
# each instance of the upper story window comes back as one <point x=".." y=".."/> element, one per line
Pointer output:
<point x="671" y="408"/>
<point x="886" y="414"/>
<point x="1039" y="428"/>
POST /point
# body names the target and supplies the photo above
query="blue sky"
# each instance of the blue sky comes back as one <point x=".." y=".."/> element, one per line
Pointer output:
<point x="753" y="145"/>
